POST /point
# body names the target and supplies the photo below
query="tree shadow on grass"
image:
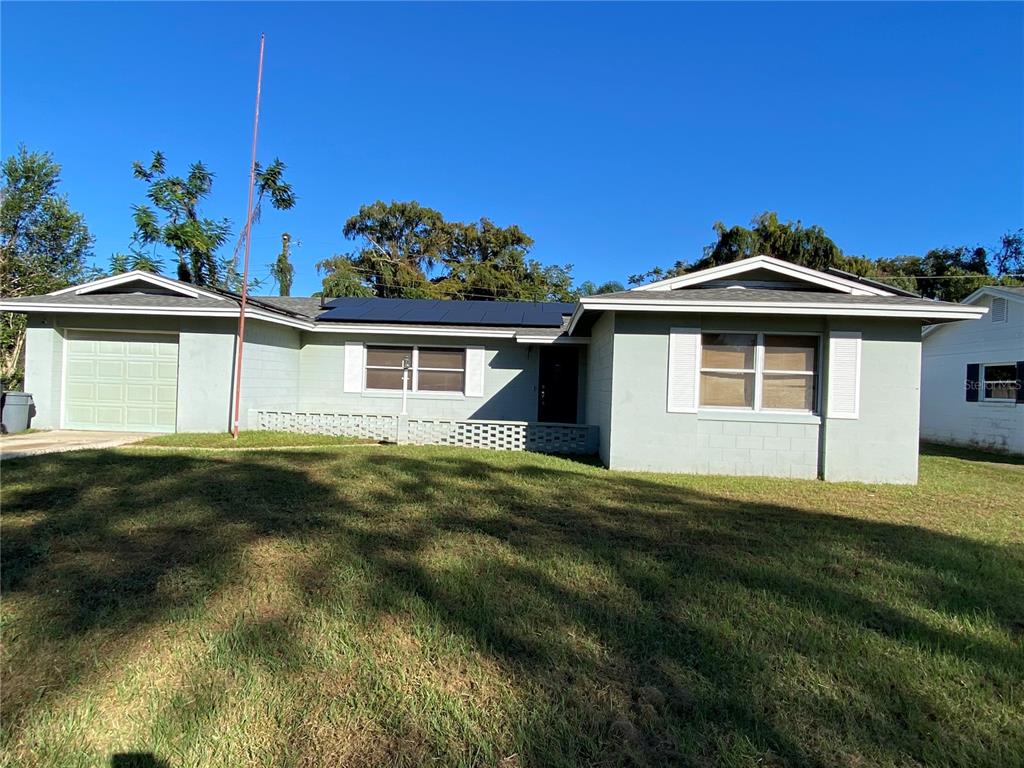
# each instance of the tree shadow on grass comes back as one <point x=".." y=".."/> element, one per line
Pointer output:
<point x="970" y="454"/>
<point x="638" y="620"/>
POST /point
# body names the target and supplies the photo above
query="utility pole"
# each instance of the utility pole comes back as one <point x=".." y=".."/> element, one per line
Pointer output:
<point x="248" y="240"/>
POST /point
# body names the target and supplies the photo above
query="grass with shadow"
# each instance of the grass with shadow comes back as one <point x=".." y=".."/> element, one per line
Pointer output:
<point x="404" y="606"/>
<point x="248" y="439"/>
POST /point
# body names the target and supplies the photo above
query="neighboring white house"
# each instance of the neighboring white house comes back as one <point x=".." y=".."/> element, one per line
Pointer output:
<point x="971" y="373"/>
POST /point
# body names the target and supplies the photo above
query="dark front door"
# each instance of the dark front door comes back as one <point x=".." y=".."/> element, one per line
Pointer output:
<point x="559" y="381"/>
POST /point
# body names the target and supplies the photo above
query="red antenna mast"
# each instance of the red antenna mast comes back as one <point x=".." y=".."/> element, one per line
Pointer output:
<point x="248" y="239"/>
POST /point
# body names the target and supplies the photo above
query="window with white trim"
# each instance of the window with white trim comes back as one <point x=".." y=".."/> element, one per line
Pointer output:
<point x="759" y="371"/>
<point x="430" y="369"/>
<point x="999" y="382"/>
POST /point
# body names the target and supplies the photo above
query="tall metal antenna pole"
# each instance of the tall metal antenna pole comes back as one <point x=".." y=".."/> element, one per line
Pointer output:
<point x="248" y="240"/>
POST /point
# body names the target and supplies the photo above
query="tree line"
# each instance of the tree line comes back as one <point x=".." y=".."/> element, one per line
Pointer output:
<point x="401" y="249"/>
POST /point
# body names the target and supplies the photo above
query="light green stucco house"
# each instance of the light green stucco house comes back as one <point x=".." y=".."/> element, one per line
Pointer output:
<point x="759" y="367"/>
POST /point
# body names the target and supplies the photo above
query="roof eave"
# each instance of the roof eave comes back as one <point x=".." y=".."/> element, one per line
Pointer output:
<point x="944" y="311"/>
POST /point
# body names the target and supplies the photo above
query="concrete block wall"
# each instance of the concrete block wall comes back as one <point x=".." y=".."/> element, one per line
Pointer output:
<point x="759" y="448"/>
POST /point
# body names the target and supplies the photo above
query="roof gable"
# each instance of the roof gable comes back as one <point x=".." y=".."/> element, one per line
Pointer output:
<point x="767" y="272"/>
<point x="138" y="281"/>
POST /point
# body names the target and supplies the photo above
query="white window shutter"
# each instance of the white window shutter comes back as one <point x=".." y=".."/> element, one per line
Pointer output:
<point x="475" y="365"/>
<point x="353" y="366"/>
<point x="683" y="369"/>
<point x="844" y="375"/>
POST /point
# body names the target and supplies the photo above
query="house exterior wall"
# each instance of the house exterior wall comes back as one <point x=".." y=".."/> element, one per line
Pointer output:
<point x="946" y="416"/>
<point x="645" y="436"/>
<point x="597" y="393"/>
<point x="206" y="364"/>
<point x="206" y="348"/>
<point x="270" y="365"/>
<point x="44" y="348"/>
<point x="881" y="446"/>
<point x="510" y="380"/>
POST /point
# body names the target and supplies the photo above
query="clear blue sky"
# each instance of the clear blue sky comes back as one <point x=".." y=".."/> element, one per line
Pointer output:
<point x="615" y="135"/>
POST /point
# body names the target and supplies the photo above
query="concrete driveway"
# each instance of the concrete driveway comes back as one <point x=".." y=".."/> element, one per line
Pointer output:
<point x="60" y="440"/>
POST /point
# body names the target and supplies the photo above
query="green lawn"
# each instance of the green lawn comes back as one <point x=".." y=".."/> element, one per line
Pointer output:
<point x="255" y="439"/>
<point x="408" y="606"/>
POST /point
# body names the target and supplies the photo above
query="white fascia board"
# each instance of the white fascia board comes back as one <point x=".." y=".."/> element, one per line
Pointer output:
<point x="948" y="311"/>
<point x="138" y="274"/>
<point x="561" y="340"/>
<point x="258" y="314"/>
<point x="413" y="330"/>
<point x="778" y="266"/>
<point x="108" y="309"/>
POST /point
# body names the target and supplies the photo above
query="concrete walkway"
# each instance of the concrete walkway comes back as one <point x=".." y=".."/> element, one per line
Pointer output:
<point x="60" y="440"/>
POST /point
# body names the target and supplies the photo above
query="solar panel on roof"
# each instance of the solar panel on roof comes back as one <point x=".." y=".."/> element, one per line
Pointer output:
<point x="430" y="311"/>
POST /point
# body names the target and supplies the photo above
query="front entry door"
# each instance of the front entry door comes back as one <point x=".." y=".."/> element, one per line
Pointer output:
<point x="559" y="382"/>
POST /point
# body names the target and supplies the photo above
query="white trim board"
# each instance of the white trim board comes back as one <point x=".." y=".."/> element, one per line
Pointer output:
<point x="943" y="311"/>
<point x="139" y="275"/>
<point x="790" y="270"/>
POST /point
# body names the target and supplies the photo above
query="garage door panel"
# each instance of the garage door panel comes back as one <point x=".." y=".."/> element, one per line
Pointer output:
<point x="81" y="392"/>
<point x="140" y="394"/>
<point x="141" y="369"/>
<point x="108" y="393"/>
<point x="110" y="348"/>
<point x="121" y="381"/>
<point x="142" y="349"/>
<point x="108" y="369"/>
<point x="165" y="419"/>
<point x="80" y="413"/>
<point x="78" y="368"/>
<point x="167" y="372"/>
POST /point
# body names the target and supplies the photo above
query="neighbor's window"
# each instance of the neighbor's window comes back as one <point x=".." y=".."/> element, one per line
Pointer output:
<point x="999" y="382"/>
<point x="758" y="371"/>
<point x="439" y="369"/>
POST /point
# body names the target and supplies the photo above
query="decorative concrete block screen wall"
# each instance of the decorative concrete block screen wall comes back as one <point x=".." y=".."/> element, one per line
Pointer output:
<point x="367" y="426"/>
<point x="404" y="430"/>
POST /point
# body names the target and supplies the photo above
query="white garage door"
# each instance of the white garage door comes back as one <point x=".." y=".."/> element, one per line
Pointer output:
<point x="121" y="381"/>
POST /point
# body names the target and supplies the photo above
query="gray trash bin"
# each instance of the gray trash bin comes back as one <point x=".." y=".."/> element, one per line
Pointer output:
<point x="17" y="409"/>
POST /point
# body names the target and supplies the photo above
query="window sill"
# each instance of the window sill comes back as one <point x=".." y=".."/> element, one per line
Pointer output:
<point x="997" y="403"/>
<point x="392" y="395"/>
<point x="768" y="417"/>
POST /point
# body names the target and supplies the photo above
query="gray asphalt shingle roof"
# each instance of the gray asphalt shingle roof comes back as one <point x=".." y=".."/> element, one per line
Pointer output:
<point x="764" y="296"/>
<point x="127" y="300"/>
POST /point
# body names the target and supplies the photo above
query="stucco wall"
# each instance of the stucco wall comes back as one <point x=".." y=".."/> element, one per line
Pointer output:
<point x="206" y="361"/>
<point x="44" y="344"/>
<point x="882" y="444"/>
<point x="645" y="436"/>
<point x="598" y="389"/>
<point x="510" y="380"/>
<point x="270" y="365"/>
<point x="946" y="416"/>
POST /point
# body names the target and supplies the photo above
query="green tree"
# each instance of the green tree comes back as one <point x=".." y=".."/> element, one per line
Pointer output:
<point x="44" y="244"/>
<point x="341" y="278"/>
<point x="408" y="250"/>
<point x="194" y="238"/>
<point x="270" y="184"/>
<point x="590" y="288"/>
<point x="398" y="243"/>
<point x="487" y="262"/>
<point x="281" y="270"/>
<point x="136" y="258"/>
<point x="180" y="226"/>
<point x="766" y="236"/>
